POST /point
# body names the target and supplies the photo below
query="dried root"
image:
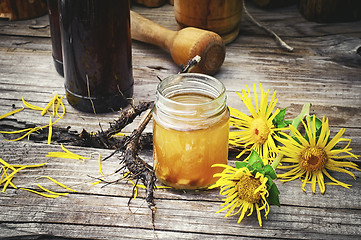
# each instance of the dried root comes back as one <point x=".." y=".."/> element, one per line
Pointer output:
<point x="104" y="139"/>
<point x="138" y="168"/>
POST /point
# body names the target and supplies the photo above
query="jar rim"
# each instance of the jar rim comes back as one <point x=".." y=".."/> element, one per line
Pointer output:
<point x="193" y="115"/>
<point x="218" y="87"/>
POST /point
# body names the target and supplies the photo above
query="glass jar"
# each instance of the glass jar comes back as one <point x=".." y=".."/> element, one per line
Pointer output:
<point x="97" y="55"/>
<point x="190" y="130"/>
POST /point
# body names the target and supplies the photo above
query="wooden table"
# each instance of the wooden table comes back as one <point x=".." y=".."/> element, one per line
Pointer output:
<point x="324" y="69"/>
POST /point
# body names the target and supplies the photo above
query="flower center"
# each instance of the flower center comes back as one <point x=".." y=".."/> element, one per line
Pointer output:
<point x="259" y="130"/>
<point x="313" y="159"/>
<point x="246" y="187"/>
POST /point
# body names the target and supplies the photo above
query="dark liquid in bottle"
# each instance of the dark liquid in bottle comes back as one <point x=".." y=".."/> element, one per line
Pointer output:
<point x="97" y="53"/>
<point x="55" y="35"/>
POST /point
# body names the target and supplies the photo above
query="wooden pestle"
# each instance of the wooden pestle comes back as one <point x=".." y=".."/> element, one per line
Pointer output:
<point x="183" y="44"/>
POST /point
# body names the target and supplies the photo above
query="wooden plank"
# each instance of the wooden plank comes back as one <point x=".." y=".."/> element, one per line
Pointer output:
<point x="330" y="216"/>
<point x="324" y="70"/>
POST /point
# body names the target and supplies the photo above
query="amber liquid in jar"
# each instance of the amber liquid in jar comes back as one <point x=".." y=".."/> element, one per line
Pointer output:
<point x="183" y="154"/>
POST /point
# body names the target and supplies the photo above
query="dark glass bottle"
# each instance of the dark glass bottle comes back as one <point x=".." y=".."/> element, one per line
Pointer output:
<point x="97" y="53"/>
<point x="55" y="35"/>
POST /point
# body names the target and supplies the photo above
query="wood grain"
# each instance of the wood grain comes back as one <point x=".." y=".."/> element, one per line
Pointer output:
<point x="324" y="70"/>
<point x="103" y="208"/>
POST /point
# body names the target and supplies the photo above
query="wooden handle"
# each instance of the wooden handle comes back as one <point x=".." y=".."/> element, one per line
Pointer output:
<point x="144" y="30"/>
<point x="183" y="44"/>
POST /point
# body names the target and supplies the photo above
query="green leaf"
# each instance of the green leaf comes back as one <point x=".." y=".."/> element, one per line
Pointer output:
<point x="288" y="122"/>
<point x="318" y="123"/>
<point x="269" y="183"/>
<point x="241" y="164"/>
<point x="280" y="117"/>
<point x="253" y="157"/>
<point x="318" y="126"/>
<point x="279" y="120"/>
<point x="273" y="198"/>
<point x="258" y="165"/>
<point x="270" y="171"/>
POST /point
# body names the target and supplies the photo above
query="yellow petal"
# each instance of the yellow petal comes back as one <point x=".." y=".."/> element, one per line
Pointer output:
<point x="29" y="166"/>
<point x="31" y="106"/>
<point x="95" y="183"/>
<point x="50" y="130"/>
<point x="11" y="113"/>
<point x="60" y="184"/>
<point x="99" y="163"/>
<point x="6" y="164"/>
<point x="42" y="194"/>
<point x="9" y="177"/>
<point x="49" y="191"/>
<point x="17" y="131"/>
<point x="47" y="107"/>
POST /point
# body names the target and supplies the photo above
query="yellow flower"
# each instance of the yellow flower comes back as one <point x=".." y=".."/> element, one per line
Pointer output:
<point x="256" y="131"/>
<point x="243" y="190"/>
<point x="313" y="155"/>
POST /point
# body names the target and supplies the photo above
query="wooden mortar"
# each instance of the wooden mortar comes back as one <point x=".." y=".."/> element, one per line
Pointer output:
<point x="183" y="45"/>
<point x="222" y="17"/>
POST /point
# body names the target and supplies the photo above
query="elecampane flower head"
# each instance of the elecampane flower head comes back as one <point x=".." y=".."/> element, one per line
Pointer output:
<point x="243" y="190"/>
<point x="312" y="155"/>
<point x="257" y="131"/>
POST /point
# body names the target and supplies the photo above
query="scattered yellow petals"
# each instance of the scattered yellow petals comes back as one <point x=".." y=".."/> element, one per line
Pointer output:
<point x="9" y="177"/>
<point x="100" y="165"/>
<point x="9" y="180"/>
<point x="66" y="154"/>
<point x="62" y="105"/>
<point x="6" y="179"/>
<point x="31" y="106"/>
<point x="95" y="183"/>
<point x="3" y="170"/>
<point x="60" y="184"/>
<point x="49" y="191"/>
<point x="11" y="113"/>
<point x="18" y="131"/>
<point x="100" y="168"/>
<point x="31" y="130"/>
<point x="7" y="164"/>
<point x="12" y="185"/>
<point x="40" y="193"/>
<point x="120" y="134"/>
<point x="48" y="105"/>
<point x="50" y="130"/>
<point x="55" y="104"/>
<point x="67" y="151"/>
<point x="162" y="187"/>
<point x="59" y="100"/>
<point x="140" y="185"/>
<point x="29" y="166"/>
<point x="136" y="186"/>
